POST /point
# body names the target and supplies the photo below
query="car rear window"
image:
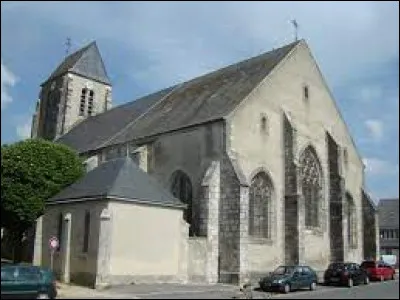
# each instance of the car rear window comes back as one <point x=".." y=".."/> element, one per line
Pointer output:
<point x="368" y="264"/>
<point x="7" y="274"/>
<point x="336" y="266"/>
<point x="28" y="274"/>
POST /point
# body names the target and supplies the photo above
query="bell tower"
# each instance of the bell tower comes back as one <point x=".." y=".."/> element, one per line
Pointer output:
<point x="79" y="88"/>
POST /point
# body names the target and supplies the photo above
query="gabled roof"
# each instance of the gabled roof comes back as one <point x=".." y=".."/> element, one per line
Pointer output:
<point x="119" y="179"/>
<point x="388" y="212"/>
<point x="86" y="62"/>
<point x="207" y="98"/>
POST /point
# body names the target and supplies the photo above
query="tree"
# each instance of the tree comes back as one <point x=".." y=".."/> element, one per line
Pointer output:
<point x="33" y="171"/>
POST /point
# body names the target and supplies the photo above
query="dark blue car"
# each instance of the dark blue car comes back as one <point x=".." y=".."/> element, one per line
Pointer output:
<point x="289" y="278"/>
<point x="27" y="282"/>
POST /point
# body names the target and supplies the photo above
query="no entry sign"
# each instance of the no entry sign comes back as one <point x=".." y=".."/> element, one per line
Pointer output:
<point x="53" y="243"/>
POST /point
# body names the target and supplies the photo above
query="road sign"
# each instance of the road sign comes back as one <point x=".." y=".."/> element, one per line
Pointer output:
<point x="53" y="243"/>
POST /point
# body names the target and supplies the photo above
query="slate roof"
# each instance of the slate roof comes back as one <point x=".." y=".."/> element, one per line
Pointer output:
<point x="95" y="131"/>
<point x="388" y="212"/>
<point x="86" y="62"/>
<point x="207" y="98"/>
<point x="119" y="178"/>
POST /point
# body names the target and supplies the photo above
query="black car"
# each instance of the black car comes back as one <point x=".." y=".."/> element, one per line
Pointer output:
<point x="348" y="274"/>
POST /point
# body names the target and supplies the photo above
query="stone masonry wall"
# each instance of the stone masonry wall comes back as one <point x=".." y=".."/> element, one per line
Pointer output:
<point x="229" y="225"/>
<point x="209" y="219"/>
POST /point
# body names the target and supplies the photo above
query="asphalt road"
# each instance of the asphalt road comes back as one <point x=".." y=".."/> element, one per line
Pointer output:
<point x="375" y="290"/>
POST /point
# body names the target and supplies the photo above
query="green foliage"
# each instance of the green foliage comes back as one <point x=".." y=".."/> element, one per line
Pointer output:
<point x="32" y="171"/>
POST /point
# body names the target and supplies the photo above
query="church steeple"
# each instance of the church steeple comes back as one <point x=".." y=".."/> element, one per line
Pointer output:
<point x="86" y="62"/>
<point x="78" y="88"/>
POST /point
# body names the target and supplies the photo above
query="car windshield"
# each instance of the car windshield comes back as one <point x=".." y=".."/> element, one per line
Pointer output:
<point x="283" y="270"/>
<point x="368" y="264"/>
<point x="337" y="266"/>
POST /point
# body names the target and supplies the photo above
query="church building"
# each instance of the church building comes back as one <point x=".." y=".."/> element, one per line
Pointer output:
<point x="221" y="178"/>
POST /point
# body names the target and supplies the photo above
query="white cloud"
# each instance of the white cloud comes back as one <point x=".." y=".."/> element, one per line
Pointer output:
<point x="375" y="128"/>
<point x="24" y="130"/>
<point x="8" y="80"/>
<point x="376" y="166"/>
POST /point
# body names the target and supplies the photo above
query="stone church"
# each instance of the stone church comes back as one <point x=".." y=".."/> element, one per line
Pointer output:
<point x="218" y="179"/>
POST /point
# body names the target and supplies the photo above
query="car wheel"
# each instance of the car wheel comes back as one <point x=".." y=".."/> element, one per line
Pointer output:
<point x="42" y="296"/>
<point x="350" y="283"/>
<point x="392" y="278"/>
<point x="263" y="288"/>
<point x="286" y="288"/>
<point x="313" y="286"/>
<point x="366" y="280"/>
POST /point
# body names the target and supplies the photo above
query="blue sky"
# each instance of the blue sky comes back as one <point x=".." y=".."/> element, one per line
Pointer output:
<point x="150" y="45"/>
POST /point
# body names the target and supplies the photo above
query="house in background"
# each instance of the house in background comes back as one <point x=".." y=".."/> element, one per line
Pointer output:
<point x="388" y="210"/>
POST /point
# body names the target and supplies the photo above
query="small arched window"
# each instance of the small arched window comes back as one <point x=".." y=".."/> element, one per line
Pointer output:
<point x="260" y="206"/>
<point x="264" y="123"/>
<point x="60" y="230"/>
<point x="306" y="93"/>
<point x="82" y="105"/>
<point x="90" y="102"/>
<point x="86" y="233"/>
<point x="181" y="188"/>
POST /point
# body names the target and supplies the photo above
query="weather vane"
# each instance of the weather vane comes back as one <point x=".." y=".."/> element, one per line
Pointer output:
<point x="67" y="45"/>
<point x="295" y="25"/>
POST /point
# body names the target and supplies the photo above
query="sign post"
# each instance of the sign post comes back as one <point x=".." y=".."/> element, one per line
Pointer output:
<point x="53" y="245"/>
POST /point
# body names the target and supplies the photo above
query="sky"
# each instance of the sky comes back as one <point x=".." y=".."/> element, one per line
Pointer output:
<point x="148" y="46"/>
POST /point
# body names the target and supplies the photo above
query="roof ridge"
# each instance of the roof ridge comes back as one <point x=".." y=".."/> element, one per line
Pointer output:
<point x="212" y="74"/>
<point x="236" y="64"/>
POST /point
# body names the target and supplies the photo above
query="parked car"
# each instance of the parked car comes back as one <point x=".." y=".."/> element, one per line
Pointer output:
<point x="27" y="282"/>
<point x="289" y="278"/>
<point x="378" y="270"/>
<point x="348" y="274"/>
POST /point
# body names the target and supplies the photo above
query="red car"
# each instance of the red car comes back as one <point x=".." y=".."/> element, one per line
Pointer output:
<point x="378" y="270"/>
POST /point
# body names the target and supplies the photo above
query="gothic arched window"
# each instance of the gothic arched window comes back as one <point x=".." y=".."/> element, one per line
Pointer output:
<point x="260" y="206"/>
<point x="351" y="221"/>
<point x="311" y="185"/>
<point x="181" y="188"/>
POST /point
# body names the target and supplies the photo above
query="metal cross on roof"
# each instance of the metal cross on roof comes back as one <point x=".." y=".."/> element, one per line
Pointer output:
<point x="295" y="25"/>
<point x="67" y="45"/>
